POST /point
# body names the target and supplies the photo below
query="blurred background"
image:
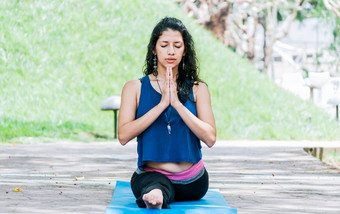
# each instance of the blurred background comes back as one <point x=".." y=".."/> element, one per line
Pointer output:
<point x="293" y="42"/>
<point x="272" y="67"/>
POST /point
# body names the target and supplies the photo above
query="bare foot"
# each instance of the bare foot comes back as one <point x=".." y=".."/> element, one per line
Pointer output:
<point x="153" y="199"/>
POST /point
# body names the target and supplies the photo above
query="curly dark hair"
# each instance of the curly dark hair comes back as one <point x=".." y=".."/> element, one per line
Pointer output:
<point x="188" y="76"/>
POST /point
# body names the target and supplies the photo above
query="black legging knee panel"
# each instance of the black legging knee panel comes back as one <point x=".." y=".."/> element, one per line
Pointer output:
<point x="147" y="181"/>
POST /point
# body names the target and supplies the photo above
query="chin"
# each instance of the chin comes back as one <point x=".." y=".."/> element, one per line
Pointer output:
<point x="172" y="65"/>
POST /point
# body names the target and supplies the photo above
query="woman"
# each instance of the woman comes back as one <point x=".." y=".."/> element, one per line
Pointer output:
<point x="169" y="111"/>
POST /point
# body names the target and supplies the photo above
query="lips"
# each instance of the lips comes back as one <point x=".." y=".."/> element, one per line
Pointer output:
<point x="170" y="60"/>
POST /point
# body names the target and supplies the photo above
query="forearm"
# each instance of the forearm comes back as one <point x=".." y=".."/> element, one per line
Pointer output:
<point x="203" y="130"/>
<point x="129" y="130"/>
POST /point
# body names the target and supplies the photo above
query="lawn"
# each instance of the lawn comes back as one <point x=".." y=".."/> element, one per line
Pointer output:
<point x="59" y="60"/>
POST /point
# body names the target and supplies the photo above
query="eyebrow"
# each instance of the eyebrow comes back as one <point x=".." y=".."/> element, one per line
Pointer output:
<point x="175" y="42"/>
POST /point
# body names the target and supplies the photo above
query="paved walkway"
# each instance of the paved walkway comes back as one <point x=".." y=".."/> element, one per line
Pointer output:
<point x="254" y="176"/>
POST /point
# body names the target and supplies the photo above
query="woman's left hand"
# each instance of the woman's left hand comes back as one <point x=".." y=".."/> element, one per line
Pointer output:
<point x="173" y="87"/>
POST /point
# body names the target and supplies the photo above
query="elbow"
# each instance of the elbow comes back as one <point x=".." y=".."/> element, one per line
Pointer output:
<point x="124" y="136"/>
<point x="122" y="139"/>
<point x="211" y="140"/>
<point x="210" y="136"/>
<point x="123" y="142"/>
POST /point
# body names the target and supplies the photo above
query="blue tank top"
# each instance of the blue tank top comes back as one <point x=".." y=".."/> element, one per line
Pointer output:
<point x="155" y="143"/>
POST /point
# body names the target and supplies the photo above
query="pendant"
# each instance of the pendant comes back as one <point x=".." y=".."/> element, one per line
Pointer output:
<point x="169" y="128"/>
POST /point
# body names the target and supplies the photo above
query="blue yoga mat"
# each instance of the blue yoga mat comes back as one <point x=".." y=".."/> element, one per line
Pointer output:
<point x="123" y="201"/>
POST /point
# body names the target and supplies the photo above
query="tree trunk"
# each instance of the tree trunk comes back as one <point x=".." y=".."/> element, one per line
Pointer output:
<point x="218" y="23"/>
<point x="262" y="22"/>
<point x="251" y="40"/>
<point x="333" y="6"/>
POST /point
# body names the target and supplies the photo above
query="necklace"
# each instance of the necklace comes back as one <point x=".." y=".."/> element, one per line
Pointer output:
<point x="168" y="126"/>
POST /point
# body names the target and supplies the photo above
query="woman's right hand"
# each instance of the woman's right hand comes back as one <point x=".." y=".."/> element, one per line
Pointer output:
<point x="166" y="93"/>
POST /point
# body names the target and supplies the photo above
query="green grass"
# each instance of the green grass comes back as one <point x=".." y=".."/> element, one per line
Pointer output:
<point x="60" y="59"/>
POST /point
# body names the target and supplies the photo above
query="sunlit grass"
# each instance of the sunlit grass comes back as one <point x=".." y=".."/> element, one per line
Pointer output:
<point x="59" y="60"/>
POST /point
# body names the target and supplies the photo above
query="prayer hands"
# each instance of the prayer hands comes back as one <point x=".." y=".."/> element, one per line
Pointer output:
<point x="169" y="92"/>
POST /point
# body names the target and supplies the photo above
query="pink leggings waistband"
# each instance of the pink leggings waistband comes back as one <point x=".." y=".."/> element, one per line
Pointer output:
<point x="177" y="176"/>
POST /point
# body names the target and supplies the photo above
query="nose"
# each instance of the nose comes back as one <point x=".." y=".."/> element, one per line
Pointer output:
<point x="171" y="50"/>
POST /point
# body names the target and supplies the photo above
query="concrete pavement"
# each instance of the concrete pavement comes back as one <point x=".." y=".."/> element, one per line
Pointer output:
<point x="253" y="176"/>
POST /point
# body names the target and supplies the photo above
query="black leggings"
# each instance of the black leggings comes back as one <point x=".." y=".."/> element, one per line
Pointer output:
<point x="147" y="181"/>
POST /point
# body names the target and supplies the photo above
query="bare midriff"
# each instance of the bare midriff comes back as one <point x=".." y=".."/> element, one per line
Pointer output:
<point x="170" y="166"/>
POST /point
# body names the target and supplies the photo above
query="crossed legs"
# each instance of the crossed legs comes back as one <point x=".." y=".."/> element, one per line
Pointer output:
<point x="152" y="190"/>
<point x="155" y="190"/>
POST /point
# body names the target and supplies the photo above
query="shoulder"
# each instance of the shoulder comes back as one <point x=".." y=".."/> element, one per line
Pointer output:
<point x="131" y="87"/>
<point x="131" y="92"/>
<point x="131" y="84"/>
<point x="200" y="86"/>
<point x="200" y="89"/>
